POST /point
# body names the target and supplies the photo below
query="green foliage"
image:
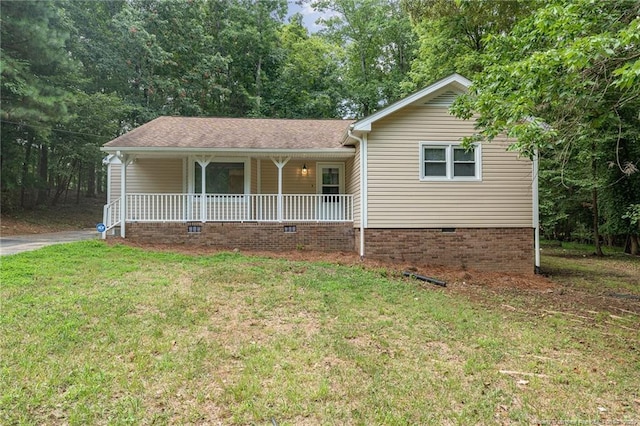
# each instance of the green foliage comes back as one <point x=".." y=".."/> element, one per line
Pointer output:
<point x="561" y="82"/>
<point x="558" y="67"/>
<point x="33" y="60"/>
<point x="308" y="83"/>
<point x="379" y="45"/>
<point x="76" y="74"/>
<point x="633" y="214"/>
<point x="452" y="35"/>
<point x="38" y="76"/>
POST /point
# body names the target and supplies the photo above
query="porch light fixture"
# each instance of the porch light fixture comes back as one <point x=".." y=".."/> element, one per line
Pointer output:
<point x="304" y="169"/>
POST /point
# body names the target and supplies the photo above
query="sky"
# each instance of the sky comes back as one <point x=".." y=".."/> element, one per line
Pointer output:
<point x="309" y="16"/>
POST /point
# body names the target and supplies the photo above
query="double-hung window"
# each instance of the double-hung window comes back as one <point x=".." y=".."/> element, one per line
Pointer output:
<point x="449" y="161"/>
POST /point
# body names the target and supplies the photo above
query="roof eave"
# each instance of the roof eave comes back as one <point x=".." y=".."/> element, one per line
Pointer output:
<point x="339" y="152"/>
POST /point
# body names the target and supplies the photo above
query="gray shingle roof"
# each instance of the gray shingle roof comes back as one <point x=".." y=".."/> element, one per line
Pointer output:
<point x="242" y="133"/>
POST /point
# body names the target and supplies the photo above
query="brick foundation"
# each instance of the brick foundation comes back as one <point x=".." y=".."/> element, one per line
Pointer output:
<point x="248" y="236"/>
<point x="489" y="249"/>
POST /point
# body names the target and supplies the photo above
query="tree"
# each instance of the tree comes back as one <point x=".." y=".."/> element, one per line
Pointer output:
<point x="308" y="83"/>
<point x="247" y="31"/>
<point x="379" y="46"/>
<point x="184" y="72"/>
<point x="565" y="81"/>
<point x="452" y="35"/>
<point x="36" y="69"/>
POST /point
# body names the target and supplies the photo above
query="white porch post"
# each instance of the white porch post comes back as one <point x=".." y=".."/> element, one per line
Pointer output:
<point x="125" y="160"/>
<point x="280" y="162"/>
<point x="203" y="162"/>
<point x="259" y="176"/>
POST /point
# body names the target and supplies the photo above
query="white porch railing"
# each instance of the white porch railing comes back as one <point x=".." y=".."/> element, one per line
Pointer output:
<point x="237" y="208"/>
<point x="111" y="215"/>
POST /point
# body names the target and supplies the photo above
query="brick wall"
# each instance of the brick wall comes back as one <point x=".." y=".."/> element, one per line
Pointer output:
<point x="249" y="236"/>
<point x="489" y="249"/>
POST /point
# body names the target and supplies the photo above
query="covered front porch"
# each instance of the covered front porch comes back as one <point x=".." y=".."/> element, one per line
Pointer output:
<point x="307" y="189"/>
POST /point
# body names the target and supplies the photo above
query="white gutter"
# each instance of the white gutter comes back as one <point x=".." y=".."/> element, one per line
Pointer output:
<point x="342" y="152"/>
<point x="363" y="187"/>
<point x="536" y="212"/>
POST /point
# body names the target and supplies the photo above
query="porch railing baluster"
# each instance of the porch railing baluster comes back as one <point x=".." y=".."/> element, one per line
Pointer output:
<point x="232" y="208"/>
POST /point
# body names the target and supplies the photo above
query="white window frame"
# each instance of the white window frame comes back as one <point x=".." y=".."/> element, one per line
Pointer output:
<point x="339" y="166"/>
<point x="193" y="166"/>
<point x="449" y="147"/>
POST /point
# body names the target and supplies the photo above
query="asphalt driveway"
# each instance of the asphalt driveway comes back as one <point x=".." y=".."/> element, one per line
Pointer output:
<point x="13" y="244"/>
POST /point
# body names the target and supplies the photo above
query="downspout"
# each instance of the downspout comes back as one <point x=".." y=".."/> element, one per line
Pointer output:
<point x="124" y="161"/>
<point x="362" y="188"/>
<point x="536" y="213"/>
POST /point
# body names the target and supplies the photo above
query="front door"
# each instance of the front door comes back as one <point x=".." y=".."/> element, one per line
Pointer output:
<point x="331" y="186"/>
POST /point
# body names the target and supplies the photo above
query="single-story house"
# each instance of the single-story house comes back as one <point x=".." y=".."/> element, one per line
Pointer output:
<point x="394" y="185"/>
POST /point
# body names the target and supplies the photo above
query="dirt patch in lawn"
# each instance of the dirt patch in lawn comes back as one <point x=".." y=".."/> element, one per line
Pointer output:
<point x="449" y="275"/>
<point x="540" y="292"/>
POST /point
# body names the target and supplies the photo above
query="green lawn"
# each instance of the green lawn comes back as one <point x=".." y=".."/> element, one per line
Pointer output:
<point x="575" y="266"/>
<point x="100" y="334"/>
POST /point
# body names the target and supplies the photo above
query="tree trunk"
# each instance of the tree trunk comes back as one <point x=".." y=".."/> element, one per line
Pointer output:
<point x="594" y="206"/>
<point x="99" y="181"/>
<point x="62" y="186"/>
<point x="91" y="179"/>
<point x="79" y="183"/>
<point x="259" y="84"/>
<point x="25" y="172"/>
<point x="635" y="245"/>
<point x="43" y="175"/>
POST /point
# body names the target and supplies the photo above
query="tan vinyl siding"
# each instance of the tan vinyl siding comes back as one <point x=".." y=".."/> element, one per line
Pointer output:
<point x="352" y="184"/>
<point x="292" y="180"/>
<point x="149" y="175"/>
<point x="114" y="184"/>
<point x="254" y="176"/>
<point x="398" y="199"/>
